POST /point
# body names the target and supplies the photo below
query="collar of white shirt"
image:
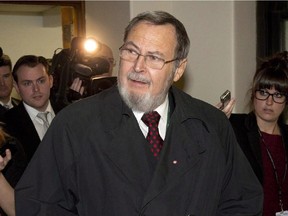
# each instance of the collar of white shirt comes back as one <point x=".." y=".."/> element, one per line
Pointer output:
<point x="163" y="112"/>
<point x="33" y="112"/>
<point x="9" y="104"/>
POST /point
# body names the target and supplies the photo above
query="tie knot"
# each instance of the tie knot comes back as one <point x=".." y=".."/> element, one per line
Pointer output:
<point x="43" y="116"/>
<point x="151" y="118"/>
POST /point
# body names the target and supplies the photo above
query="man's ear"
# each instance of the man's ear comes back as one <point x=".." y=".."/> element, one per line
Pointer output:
<point x="180" y="70"/>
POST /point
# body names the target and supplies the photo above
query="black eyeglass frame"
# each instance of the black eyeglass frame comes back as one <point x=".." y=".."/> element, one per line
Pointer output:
<point x="273" y="95"/>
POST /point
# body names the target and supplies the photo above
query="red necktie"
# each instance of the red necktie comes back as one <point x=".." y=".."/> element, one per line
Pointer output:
<point x="155" y="141"/>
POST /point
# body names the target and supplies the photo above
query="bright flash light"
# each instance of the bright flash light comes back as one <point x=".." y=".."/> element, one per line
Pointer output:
<point x="91" y="45"/>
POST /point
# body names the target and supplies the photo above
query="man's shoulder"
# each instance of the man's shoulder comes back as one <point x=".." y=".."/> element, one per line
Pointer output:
<point x="194" y="105"/>
<point x="15" y="101"/>
<point x="15" y="112"/>
<point x="102" y="102"/>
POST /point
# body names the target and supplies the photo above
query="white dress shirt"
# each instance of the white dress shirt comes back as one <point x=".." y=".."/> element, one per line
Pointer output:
<point x="9" y="104"/>
<point x="38" y="123"/>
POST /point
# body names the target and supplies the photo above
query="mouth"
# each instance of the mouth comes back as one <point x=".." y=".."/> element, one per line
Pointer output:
<point x="138" y="80"/>
<point x="37" y="97"/>
<point x="268" y="111"/>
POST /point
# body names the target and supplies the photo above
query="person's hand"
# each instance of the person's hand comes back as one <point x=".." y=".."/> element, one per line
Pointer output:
<point x="77" y="86"/>
<point x="228" y="108"/>
<point x="4" y="160"/>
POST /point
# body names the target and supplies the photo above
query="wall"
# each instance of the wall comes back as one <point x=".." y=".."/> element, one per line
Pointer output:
<point x="222" y="34"/>
<point x="26" y="34"/>
<point x="105" y="21"/>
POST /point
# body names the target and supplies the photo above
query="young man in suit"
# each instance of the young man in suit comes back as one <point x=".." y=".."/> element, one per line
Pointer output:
<point x="99" y="158"/>
<point x="33" y="82"/>
<point x="6" y="84"/>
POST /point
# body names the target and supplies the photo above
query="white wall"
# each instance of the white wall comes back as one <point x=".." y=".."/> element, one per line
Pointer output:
<point x="26" y="34"/>
<point x="244" y="51"/>
<point x="105" y="21"/>
<point x="223" y="41"/>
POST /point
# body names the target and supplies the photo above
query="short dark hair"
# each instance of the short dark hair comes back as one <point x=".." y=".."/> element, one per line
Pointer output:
<point x="5" y="61"/>
<point x="273" y="72"/>
<point x="30" y="61"/>
<point x="162" y="18"/>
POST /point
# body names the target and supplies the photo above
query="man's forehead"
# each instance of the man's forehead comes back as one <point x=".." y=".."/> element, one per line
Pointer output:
<point x="5" y="70"/>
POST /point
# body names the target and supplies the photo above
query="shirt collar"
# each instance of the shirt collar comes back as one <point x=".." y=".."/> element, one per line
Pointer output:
<point x="9" y="103"/>
<point x="33" y="112"/>
<point x="162" y="110"/>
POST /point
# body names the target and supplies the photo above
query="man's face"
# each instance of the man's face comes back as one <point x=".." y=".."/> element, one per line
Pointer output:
<point x="34" y="86"/>
<point x="142" y="87"/>
<point x="6" y="83"/>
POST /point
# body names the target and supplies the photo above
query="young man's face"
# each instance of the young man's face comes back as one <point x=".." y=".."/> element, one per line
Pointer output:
<point x="6" y="83"/>
<point x="34" y="86"/>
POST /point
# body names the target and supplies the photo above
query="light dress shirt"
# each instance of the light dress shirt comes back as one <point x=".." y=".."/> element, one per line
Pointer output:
<point x="9" y="104"/>
<point x="163" y="112"/>
<point x="38" y="123"/>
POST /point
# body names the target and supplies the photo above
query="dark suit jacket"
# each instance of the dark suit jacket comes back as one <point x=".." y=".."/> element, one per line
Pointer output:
<point x="93" y="161"/>
<point x="19" y="125"/>
<point x="248" y="137"/>
<point x="14" y="101"/>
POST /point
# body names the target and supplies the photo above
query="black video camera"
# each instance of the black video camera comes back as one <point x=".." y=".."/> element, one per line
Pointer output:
<point x="65" y="66"/>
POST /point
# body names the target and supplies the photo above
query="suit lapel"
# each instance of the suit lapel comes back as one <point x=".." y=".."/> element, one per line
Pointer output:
<point x="179" y="155"/>
<point x="127" y="150"/>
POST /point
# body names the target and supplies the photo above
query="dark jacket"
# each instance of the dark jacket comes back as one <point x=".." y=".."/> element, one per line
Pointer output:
<point x="248" y="137"/>
<point x="19" y="125"/>
<point x="93" y="161"/>
<point x="3" y="110"/>
<point x="16" y="166"/>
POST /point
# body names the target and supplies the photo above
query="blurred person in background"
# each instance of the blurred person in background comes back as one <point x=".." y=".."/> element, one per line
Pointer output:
<point x="6" y="84"/>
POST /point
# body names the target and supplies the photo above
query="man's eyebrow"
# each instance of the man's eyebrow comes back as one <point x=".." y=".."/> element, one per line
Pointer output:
<point x="149" y="52"/>
<point x="130" y="43"/>
<point x="39" y="78"/>
<point x="156" y="53"/>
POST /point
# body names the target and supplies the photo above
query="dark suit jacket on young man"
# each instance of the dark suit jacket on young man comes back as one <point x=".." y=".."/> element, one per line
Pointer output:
<point x="19" y="125"/>
<point x="93" y="161"/>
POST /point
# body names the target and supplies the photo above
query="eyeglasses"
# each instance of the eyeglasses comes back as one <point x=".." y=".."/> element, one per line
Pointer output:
<point x="264" y="95"/>
<point x="151" y="61"/>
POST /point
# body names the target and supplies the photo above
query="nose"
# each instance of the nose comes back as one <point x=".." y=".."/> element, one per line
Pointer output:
<point x="139" y="63"/>
<point x="35" y="87"/>
<point x="269" y="100"/>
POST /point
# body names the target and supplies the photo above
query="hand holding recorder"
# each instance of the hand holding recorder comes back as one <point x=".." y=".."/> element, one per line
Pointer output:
<point x="226" y="103"/>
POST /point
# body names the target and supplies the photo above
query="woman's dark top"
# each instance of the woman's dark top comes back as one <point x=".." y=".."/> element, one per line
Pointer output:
<point x="251" y="142"/>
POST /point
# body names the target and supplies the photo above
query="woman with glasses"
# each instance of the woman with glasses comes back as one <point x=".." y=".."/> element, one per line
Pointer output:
<point x="263" y="134"/>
